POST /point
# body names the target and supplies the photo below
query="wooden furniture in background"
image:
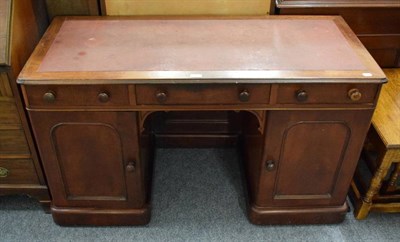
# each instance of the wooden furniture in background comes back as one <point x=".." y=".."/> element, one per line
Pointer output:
<point x="91" y="95"/>
<point x="74" y="7"/>
<point x="22" y="23"/>
<point x="376" y="23"/>
<point x="185" y="7"/>
<point x="381" y="192"/>
<point x="157" y="7"/>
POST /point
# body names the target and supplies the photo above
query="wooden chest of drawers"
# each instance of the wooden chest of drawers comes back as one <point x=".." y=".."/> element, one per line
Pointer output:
<point x="303" y="121"/>
<point x="20" y="169"/>
<point x="376" y="23"/>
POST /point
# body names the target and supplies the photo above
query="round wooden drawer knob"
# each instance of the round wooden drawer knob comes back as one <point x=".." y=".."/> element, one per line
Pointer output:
<point x="244" y="96"/>
<point x="301" y="95"/>
<point x="161" y="96"/>
<point x="354" y="94"/>
<point x="49" y="97"/>
<point x="103" y="97"/>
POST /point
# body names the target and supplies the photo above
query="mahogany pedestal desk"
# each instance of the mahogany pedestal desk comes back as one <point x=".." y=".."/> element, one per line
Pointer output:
<point x="305" y="87"/>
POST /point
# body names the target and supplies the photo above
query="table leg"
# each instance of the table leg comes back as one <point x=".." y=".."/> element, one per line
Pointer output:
<point x="391" y="185"/>
<point x="386" y="160"/>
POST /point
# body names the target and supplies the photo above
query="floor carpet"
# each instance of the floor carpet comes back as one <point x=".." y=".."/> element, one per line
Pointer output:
<point x="197" y="195"/>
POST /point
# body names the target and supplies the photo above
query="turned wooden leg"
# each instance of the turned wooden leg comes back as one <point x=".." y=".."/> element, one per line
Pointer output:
<point x="386" y="160"/>
<point x="390" y="186"/>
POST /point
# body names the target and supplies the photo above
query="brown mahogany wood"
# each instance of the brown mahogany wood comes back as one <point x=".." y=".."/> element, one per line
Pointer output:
<point x="313" y="146"/>
<point x="202" y="94"/>
<point x="22" y="23"/>
<point x="107" y="172"/>
<point x="313" y="93"/>
<point x="301" y="125"/>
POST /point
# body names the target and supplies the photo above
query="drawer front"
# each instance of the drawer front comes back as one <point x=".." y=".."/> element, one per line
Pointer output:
<point x="77" y="95"/>
<point x="202" y="94"/>
<point x="326" y="93"/>
<point x="9" y="114"/>
<point x="5" y="88"/>
<point x="18" y="171"/>
<point x="13" y="142"/>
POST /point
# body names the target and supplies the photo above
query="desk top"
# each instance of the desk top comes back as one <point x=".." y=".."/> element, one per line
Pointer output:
<point x="266" y="49"/>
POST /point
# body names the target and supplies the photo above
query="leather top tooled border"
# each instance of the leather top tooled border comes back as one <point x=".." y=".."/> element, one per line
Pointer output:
<point x="371" y="74"/>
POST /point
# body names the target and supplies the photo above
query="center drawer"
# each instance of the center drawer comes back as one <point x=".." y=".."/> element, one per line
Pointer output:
<point x="202" y="94"/>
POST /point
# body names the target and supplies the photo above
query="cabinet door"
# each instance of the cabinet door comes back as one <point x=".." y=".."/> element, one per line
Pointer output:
<point x="310" y="156"/>
<point x="91" y="159"/>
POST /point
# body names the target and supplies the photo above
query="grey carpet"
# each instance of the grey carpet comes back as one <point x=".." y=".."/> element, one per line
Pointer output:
<point x="197" y="196"/>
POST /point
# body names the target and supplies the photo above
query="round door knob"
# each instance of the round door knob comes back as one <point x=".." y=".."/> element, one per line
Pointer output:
<point x="270" y="165"/>
<point x="130" y="166"/>
<point x="103" y="97"/>
<point x="161" y="96"/>
<point x="3" y="172"/>
<point x="301" y="95"/>
<point x="354" y="94"/>
<point x="49" y="97"/>
<point x="244" y="96"/>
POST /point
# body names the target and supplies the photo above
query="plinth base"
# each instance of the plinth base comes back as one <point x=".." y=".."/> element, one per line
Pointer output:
<point x="321" y="215"/>
<point x="100" y="217"/>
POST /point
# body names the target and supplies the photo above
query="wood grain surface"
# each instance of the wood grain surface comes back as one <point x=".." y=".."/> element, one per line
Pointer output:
<point x="386" y="119"/>
<point x="185" y="7"/>
<point x="5" y="7"/>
